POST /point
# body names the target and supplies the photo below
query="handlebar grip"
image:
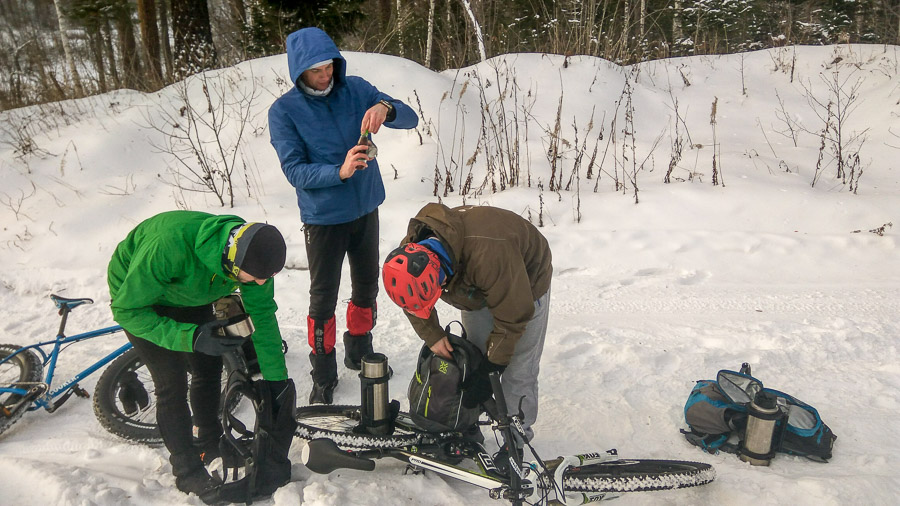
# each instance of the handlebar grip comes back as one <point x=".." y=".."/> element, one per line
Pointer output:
<point x="498" y="393"/>
<point x="323" y="456"/>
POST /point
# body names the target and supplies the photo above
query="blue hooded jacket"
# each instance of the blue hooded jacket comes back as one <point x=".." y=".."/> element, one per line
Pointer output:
<point x="312" y="135"/>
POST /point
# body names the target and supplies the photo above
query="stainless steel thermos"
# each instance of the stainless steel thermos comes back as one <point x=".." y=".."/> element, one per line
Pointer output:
<point x="375" y="395"/>
<point x="762" y="414"/>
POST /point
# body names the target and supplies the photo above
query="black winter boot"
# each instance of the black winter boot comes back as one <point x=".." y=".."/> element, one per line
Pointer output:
<point x="192" y="478"/>
<point x="324" y="376"/>
<point x="207" y="446"/>
<point x="355" y="348"/>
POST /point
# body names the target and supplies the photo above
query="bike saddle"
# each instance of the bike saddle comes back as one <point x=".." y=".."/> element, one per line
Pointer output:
<point x="69" y="303"/>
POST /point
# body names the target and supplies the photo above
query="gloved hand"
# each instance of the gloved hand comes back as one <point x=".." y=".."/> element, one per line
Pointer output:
<point x="211" y="340"/>
<point x="478" y="386"/>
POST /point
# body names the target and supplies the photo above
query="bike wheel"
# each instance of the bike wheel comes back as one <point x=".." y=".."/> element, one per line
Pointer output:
<point x="339" y="424"/>
<point x="637" y="475"/>
<point x="125" y="400"/>
<point x="22" y="371"/>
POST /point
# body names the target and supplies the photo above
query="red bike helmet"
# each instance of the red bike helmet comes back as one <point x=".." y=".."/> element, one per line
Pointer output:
<point x="411" y="276"/>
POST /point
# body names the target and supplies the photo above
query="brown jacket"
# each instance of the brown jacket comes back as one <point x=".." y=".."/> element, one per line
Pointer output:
<point x="500" y="261"/>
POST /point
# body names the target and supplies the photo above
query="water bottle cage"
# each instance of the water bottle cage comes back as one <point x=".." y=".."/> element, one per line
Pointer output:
<point x="368" y="425"/>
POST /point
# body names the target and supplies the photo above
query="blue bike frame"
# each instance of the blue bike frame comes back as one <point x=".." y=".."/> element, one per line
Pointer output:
<point x="49" y="360"/>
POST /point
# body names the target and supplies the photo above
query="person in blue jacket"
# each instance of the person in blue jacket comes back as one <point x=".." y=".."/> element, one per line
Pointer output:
<point x="316" y="129"/>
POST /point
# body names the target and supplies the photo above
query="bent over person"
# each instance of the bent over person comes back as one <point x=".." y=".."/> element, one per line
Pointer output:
<point x="496" y="267"/>
<point x="320" y="130"/>
<point x="163" y="279"/>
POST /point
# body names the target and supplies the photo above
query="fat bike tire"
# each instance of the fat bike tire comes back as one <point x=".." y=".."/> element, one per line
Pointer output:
<point x="340" y="424"/>
<point x="138" y="423"/>
<point x="21" y="371"/>
<point x="637" y="475"/>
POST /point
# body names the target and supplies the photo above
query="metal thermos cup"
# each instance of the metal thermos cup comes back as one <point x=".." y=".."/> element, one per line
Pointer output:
<point x="762" y="414"/>
<point x="239" y="326"/>
<point x="376" y="397"/>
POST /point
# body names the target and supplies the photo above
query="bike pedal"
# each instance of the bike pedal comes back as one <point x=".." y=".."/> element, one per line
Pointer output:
<point x="80" y="392"/>
<point x="415" y="470"/>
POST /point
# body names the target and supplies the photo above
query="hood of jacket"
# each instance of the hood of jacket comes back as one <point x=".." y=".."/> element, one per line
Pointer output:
<point x="441" y="221"/>
<point x="212" y="241"/>
<point x="309" y="46"/>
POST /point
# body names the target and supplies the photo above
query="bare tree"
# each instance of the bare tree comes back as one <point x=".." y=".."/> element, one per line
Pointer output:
<point x="67" y="47"/>
<point x="834" y="112"/>
<point x="193" y="37"/>
<point x="430" y="37"/>
<point x="477" y="28"/>
<point x="207" y="141"/>
<point x="165" y="45"/>
<point x="131" y="62"/>
<point x="150" y="39"/>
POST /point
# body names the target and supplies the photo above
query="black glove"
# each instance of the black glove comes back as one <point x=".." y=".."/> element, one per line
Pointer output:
<point x="478" y="386"/>
<point x="210" y="339"/>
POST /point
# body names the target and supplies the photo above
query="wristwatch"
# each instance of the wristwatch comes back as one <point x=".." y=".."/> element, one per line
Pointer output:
<point x="387" y="104"/>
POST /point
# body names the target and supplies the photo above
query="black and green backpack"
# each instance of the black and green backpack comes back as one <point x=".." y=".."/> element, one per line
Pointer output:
<point x="436" y="392"/>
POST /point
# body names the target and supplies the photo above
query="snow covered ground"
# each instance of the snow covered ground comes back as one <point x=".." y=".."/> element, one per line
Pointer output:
<point x="646" y="297"/>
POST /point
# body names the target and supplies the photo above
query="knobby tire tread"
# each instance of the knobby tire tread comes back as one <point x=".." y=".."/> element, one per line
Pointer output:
<point x="109" y="412"/>
<point x="144" y="430"/>
<point x="637" y="475"/>
<point x="30" y="370"/>
<point x="337" y="423"/>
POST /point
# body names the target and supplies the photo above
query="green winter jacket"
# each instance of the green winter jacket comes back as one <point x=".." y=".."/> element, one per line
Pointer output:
<point x="500" y="261"/>
<point x="175" y="259"/>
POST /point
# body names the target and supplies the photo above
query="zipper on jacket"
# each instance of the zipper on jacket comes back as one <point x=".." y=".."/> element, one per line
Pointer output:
<point x="359" y="206"/>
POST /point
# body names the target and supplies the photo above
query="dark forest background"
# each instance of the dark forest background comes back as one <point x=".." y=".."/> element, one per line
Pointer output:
<point x="57" y="49"/>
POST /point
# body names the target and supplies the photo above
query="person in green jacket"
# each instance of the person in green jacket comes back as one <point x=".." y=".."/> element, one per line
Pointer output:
<point x="163" y="279"/>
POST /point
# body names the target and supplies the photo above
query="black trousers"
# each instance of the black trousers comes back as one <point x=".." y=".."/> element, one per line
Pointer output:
<point x="326" y="247"/>
<point x="169" y="372"/>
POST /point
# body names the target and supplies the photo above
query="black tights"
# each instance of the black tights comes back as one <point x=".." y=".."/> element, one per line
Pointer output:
<point x="169" y="371"/>
<point x="326" y="247"/>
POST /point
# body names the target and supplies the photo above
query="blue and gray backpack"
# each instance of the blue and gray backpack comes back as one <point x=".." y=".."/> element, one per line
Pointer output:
<point x="716" y="412"/>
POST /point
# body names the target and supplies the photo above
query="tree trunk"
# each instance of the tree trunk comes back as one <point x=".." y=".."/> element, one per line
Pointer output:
<point x="430" y="39"/>
<point x="626" y="22"/>
<point x="384" y="14"/>
<point x="237" y="14"/>
<point x="194" y="50"/>
<point x="677" y="33"/>
<point x="67" y="48"/>
<point x="643" y="21"/>
<point x="96" y="39"/>
<point x="150" y="40"/>
<point x="166" y="46"/>
<point x="400" y="25"/>
<point x="111" y="54"/>
<point x="477" y="27"/>
<point x="131" y="63"/>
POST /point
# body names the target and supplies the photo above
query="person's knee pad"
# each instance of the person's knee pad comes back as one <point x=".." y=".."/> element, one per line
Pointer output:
<point x="321" y="335"/>
<point x="360" y="319"/>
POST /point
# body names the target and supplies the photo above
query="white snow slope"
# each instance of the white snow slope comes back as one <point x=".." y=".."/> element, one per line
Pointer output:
<point x="647" y="297"/>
